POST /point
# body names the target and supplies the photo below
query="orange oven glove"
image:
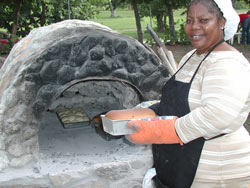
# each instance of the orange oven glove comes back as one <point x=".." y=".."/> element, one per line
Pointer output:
<point x="154" y="131"/>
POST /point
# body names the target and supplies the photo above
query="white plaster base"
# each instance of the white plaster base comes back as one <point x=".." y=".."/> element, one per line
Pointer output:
<point x="80" y="158"/>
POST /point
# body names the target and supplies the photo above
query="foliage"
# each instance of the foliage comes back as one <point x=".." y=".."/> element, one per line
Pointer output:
<point x="6" y="47"/>
<point x="32" y="12"/>
<point x="155" y="11"/>
<point x="242" y="4"/>
<point x="246" y="1"/>
<point x="181" y="35"/>
<point x="58" y="10"/>
<point x="6" y="9"/>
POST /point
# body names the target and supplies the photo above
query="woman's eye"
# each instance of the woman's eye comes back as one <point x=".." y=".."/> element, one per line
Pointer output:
<point x="204" y="20"/>
<point x="188" y="21"/>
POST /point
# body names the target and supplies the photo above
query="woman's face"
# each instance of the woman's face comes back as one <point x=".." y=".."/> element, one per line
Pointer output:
<point x="203" y="28"/>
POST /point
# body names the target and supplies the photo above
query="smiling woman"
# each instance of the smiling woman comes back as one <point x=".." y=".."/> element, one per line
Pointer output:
<point x="209" y="96"/>
<point x="204" y="28"/>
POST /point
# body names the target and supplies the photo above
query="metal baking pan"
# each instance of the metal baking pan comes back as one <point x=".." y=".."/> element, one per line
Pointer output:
<point x="116" y="127"/>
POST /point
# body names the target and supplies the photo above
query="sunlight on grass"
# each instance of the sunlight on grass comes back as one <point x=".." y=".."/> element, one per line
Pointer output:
<point x="124" y="22"/>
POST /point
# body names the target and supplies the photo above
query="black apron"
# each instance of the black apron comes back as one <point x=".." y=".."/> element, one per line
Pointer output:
<point x="176" y="165"/>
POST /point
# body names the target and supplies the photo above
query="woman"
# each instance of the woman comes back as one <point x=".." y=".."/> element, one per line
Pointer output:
<point x="209" y="101"/>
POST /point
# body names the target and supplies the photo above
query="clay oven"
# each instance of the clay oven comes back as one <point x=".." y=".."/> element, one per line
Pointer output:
<point x="76" y="65"/>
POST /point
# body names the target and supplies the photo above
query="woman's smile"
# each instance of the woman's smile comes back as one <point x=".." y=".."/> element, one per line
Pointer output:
<point x="203" y="28"/>
<point x="196" y="37"/>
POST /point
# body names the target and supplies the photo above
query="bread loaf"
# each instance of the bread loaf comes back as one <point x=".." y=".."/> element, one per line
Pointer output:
<point x="136" y="113"/>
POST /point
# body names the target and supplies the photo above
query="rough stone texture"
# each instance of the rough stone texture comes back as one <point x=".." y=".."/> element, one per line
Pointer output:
<point x="4" y="160"/>
<point x="21" y="161"/>
<point x="103" y="97"/>
<point x="25" y="186"/>
<point x="41" y="67"/>
<point x="86" y="64"/>
<point x="2" y="141"/>
<point x="100" y="183"/>
<point x="60" y="180"/>
<point x="83" y="160"/>
<point x="2" y="61"/>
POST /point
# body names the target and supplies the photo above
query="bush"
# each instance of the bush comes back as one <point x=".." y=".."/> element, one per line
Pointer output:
<point x="241" y="5"/>
<point x="181" y="35"/>
<point x="4" y="49"/>
<point x="6" y="44"/>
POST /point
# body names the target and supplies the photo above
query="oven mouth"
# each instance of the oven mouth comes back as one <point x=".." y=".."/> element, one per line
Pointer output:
<point x="105" y="78"/>
<point x="72" y="114"/>
<point x="72" y="118"/>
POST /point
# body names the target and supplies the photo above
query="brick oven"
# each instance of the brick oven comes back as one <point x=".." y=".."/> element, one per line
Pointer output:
<point x="68" y="74"/>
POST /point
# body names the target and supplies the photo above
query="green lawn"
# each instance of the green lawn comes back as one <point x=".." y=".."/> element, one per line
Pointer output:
<point x="124" y="21"/>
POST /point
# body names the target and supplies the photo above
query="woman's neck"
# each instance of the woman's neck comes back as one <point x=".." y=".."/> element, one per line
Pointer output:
<point x="214" y="46"/>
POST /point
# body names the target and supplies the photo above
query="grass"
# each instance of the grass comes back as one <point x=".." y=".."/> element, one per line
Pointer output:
<point x="124" y="21"/>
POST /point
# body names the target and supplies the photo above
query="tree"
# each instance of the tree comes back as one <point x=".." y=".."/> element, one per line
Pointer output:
<point x="137" y="20"/>
<point x="9" y="15"/>
<point x="17" y="8"/>
<point x="111" y="9"/>
<point x="171" y="18"/>
<point x="155" y="9"/>
<point x="161" y="12"/>
<point x="134" y="4"/>
<point x="20" y="17"/>
<point x="113" y="4"/>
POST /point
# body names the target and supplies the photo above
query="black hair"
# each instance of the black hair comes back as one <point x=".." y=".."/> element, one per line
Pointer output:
<point x="211" y="5"/>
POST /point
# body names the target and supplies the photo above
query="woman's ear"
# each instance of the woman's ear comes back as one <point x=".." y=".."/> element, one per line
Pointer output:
<point x="222" y="23"/>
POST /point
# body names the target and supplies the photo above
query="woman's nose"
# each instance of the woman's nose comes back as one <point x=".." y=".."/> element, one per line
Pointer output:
<point x="195" y="25"/>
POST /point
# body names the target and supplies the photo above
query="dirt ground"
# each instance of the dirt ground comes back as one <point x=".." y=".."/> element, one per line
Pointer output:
<point x="180" y="50"/>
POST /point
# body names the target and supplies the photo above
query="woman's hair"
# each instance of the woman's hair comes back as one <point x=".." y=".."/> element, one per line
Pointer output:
<point x="212" y="7"/>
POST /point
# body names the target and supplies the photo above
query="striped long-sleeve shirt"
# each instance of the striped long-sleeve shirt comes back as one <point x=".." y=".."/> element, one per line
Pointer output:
<point x="219" y="101"/>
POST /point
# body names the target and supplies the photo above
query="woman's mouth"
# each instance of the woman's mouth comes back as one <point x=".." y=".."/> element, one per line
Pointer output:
<point x="196" y="37"/>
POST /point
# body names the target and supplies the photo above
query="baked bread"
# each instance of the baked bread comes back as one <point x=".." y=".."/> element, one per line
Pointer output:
<point x="135" y="113"/>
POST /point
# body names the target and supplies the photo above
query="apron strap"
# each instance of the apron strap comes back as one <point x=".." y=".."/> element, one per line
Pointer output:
<point x="200" y="62"/>
<point x="204" y="59"/>
<point x="184" y="63"/>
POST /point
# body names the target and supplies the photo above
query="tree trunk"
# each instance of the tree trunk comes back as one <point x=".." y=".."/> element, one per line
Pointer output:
<point x="233" y="2"/>
<point x="111" y="9"/>
<point x="171" y="22"/>
<point x="42" y="18"/>
<point x="137" y="20"/>
<point x="160" y="23"/>
<point x="17" y="8"/>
